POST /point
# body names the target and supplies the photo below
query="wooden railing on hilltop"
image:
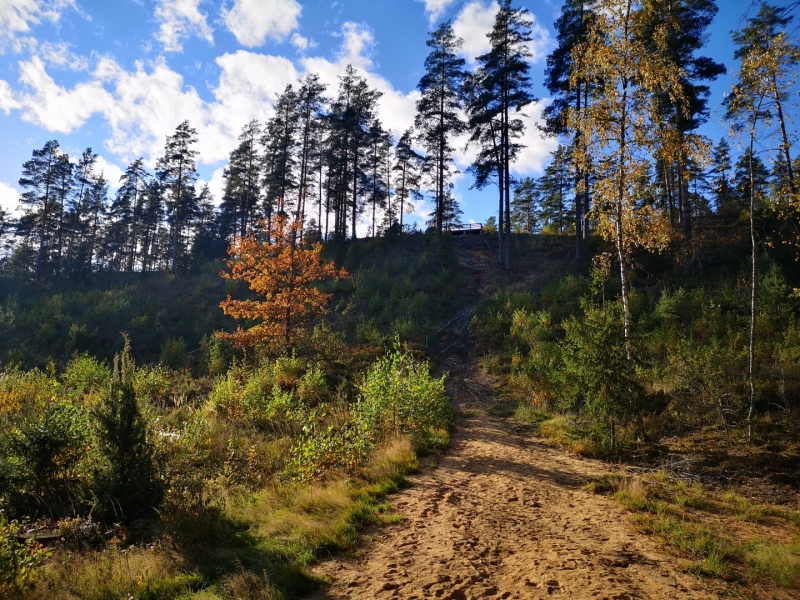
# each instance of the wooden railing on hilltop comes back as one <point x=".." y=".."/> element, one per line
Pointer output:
<point x="466" y="229"/>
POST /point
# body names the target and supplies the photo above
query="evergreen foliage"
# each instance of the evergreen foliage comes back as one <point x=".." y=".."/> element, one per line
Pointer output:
<point x="127" y="485"/>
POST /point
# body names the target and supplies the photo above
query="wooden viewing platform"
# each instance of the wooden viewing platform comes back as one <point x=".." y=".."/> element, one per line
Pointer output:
<point x="466" y="229"/>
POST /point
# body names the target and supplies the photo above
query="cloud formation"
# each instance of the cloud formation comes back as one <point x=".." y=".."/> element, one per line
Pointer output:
<point x="476" y="20"/>
<point x="435" y="8"/>
<point x="253" y="21"/>
<point x="472" y="24"/>
<point x="181" y="19"/>
<point x="60" y="55"/>
<point x="17" y="16"/>
<point x="301" y="43"/>
<point x="52" y="106"/>
<point x="9" y="198"/>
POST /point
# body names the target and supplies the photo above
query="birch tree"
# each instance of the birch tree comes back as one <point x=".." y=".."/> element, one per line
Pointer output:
<point x="620" y="134"/>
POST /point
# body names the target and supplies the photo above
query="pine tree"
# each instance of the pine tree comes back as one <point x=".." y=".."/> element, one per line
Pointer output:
<point x="720" y="184"/>
<point x="348" y="122"/>
<point x="242" y="183"/>
<point x="525" y="206"/>
<point x="482" y="107"/>
<point x="40" y="178"/>
<point x="377" y="193"/>
<point x="63" y="189"/>
<point x="280" y="144"/>
<point x="407" y="173"/>
<point x="506" y="69"/>
<point x="553" y="187"/>
<point x="438" y="117"/>
<point x="127" y="485"/>
<point x="96" y="206"/>
<point x="310" y="103"/>
<point x="77" y="214"/>
<point x="178" y="171"/>
<point x="572" y="27"/>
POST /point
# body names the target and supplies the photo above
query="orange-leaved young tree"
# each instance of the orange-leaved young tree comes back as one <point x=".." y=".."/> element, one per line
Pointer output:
<point x="284" y="272"/>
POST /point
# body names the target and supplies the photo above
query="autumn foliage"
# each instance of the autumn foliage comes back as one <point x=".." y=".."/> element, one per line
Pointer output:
<point x="283" y="272"/>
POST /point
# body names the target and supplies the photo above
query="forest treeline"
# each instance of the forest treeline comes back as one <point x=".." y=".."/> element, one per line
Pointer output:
<point x="327" y="160"/>
<point x="330" y="161"/>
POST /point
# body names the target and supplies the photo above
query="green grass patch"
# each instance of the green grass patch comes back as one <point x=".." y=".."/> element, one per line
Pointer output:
<point x="674" y="512"/>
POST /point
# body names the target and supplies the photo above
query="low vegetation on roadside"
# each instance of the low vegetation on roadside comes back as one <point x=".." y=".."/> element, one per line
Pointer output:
<point x="227" y="475"/>
<point x="721" y="534"/>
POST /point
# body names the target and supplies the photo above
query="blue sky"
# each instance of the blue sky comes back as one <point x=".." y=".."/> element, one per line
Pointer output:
<point x="119" y="75"/>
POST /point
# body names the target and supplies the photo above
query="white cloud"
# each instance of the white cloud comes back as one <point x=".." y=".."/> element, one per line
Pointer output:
<point x="9" y="198"/>
<point x="531" y="159"/>
<point x="472" y="25"/>
<point x="8" y="99"/>
<point x="436" y="7"/>
<point x="149" y="103"/>
<point x="60" y="55"/>
<point x="216" y="185"/>
<point x="253" y="21"/>
<point x="476" y="20"/>
<point x="17" y="16"/>
<point x="180" y="19"/>
<point x="110" y="171"/>
<point x="301" y="43"/>
<point x="541" y="43"/>
<point x="53" y="107"/>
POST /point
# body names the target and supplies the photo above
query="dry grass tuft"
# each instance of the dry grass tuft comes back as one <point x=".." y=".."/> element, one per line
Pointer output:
<point x="392" y="461"/>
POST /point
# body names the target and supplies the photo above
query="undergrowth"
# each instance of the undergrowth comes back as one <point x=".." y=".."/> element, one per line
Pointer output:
<point x="697" y="524"/>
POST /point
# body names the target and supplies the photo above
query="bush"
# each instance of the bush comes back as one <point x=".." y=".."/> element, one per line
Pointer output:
<point x="42" y="455"/>
<point x="85" y="378"/>
<point x="21" y="392"/>
<point x="18" y="562"/>
<point x="399" y="397"/>
<point x="173" y="354"/>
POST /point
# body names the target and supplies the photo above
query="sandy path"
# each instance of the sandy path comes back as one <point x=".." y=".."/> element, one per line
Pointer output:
<point x="504" y="516"/>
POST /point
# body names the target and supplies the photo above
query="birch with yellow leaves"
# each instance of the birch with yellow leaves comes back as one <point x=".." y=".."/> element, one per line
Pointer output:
<point x="621" y="134"/>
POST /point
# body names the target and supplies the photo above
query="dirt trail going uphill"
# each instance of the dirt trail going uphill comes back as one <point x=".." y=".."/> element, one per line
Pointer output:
<point x="503" y="515"/>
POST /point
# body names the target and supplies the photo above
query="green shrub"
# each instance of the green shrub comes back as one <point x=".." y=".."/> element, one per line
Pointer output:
<point x="152" y="385"/>
<point x="85" y="377"/>
<point x="18" y="561"/>
<point x="399" y="397"/>
<point x="173" y="354"/>
<point x="22" y="391"/>
<point x="42" y="455"/>
<point x="217" y="355"/>
<point x="321" y="450"/>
